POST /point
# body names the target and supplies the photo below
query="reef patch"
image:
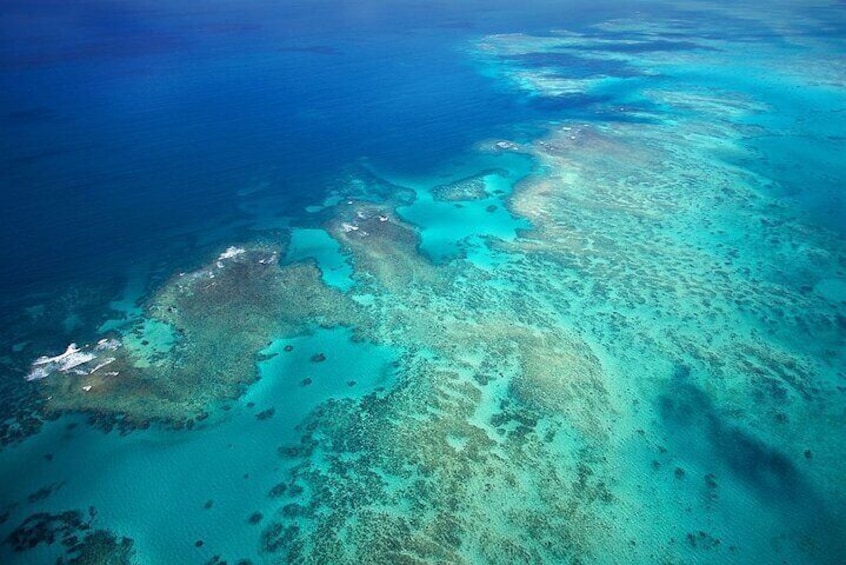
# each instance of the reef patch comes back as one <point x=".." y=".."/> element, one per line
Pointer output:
<point x="204" y="333"/>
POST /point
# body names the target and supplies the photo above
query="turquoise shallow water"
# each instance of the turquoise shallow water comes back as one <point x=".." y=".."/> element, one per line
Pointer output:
<point x="318" y="245"/>
<point x="447" y="224"/>
<point x="158" y="483"/>
<point x="476" y="283"/>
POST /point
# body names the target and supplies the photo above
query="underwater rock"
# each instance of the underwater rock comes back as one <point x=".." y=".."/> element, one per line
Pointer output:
<point x="289" y="451"/>
<point x="44" y="492"/>
<point x="74" y="532"/>
<point x="277" y="490"/>
<point x="711" y="481"/>
<point x="277" y="537"/>
<point x="702" y="540"/>
<point x="43" y="527"/>
<point x="70" y="541"/>
<point x="102" y="546"/>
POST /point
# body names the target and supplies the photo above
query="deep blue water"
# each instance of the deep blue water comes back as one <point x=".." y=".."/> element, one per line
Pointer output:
<point x="120" y="121"/>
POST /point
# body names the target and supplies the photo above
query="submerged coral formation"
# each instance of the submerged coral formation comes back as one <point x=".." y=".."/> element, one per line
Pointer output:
<point x="414" y="475"/>
<point x="199" y="341"/>
<point x="81" y="544"/>
<point x="383" y="246"/>
<point x="573" y="385"/>
<point x="470" y="188"/>
<point x="530" y="423"/>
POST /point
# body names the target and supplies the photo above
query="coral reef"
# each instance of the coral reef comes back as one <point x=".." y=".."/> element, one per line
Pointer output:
<point x="410" y="477"/>
<point x="28" y="332"/>
<point x="384" y="247"/>
<point x="558" y="393"/>
<point x="466" y="189"/>
<point x="83" y="544"/>
<point x="541" y="375"/>
<point x="210" y="325"/>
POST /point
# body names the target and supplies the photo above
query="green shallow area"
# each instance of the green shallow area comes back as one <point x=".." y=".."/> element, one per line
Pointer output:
<point x="198" y="340"/>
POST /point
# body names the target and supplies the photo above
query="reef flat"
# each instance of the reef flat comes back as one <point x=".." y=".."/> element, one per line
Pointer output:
<point x="198" y="341"/>
<point x="641" y="351"/>
<point x="587" y="350"/>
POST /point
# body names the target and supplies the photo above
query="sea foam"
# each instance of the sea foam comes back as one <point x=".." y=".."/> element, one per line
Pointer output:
<point x="73" y="360"/>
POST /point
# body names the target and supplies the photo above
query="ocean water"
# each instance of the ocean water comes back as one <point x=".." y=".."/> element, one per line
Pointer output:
<point x="470" y="282"/>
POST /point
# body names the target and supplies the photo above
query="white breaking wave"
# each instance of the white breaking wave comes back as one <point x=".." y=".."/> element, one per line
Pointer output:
<point x="107" y="344"/>
<point x="102" y="364"/>
<point x="73" y="360"/>
<point x="37" y="373"/>
<point x="44" y="360"/>
<point x="72" y="357"/>
<point x="231" y="252"/>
